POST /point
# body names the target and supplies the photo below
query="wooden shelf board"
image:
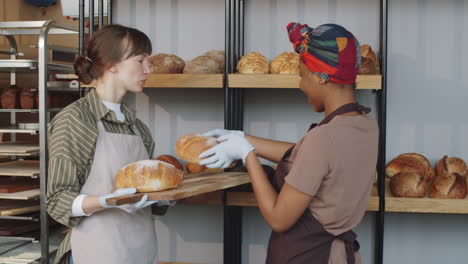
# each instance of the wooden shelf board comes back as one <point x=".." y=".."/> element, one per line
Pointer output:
<point x="24" y="195"/>
<point x="24" y="168"/>
<point x="248" y="199"/>
<point x="292" y="81"/>
<point x="181" y="81"/>
<point x="14" y="207"/>
<point x="423" y="205"/>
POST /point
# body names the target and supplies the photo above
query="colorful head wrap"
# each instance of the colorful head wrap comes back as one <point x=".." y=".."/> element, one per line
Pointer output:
<point x="329" y="50"/>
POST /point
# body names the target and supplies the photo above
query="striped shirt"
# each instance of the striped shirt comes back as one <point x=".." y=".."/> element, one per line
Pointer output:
<point x="72" y="141"/>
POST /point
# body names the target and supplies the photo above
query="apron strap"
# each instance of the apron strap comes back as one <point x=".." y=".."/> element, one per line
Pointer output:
<point x="351" y="245"/>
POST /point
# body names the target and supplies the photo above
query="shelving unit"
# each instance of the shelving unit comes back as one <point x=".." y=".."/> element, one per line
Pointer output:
<point x="18" y="210"/>
<point x="181" y="81"/>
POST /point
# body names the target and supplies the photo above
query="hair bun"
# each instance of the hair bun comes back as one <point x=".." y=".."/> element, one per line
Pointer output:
<point x="83" y="69"/>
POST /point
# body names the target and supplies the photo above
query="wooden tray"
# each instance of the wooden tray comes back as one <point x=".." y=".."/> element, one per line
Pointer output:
<point x="14" y="207"/>
<point x="194" y="184"/>
<point x="24" y="195"/>
<point x="25" y="168"/>
<point x="17" y="184"/>
<point x="19" y="148"/>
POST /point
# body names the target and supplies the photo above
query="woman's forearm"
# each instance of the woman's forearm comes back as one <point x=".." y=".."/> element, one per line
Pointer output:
<point x="271" y="150"/>
<point x="91" y="204"/>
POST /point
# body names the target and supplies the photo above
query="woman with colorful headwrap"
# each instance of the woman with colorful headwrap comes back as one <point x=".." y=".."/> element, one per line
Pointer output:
<point x="323" y="182"/>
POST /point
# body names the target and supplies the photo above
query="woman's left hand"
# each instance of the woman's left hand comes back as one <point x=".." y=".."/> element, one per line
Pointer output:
<point x="232" y="147"/>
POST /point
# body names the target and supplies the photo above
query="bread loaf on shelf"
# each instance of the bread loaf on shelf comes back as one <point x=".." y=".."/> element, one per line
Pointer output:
<point x="408" y="184"/>
<point x="285" y="63"/>
<point x="369" y="63"/>
<point x="27" y="99"/>
<point x="204" y="65"/>
<point x="410" y="162"/>
<point x="189" y="147"/>
<point x="218" y="55"/>
<point x="9" y="97"/>
<point x="449" y="186"/>
<point x="253" y="63"/>
<point x="149" y="176"/>
<point x="449" y="165"/>
<point x="166" y="63"/>
<point x="171" y="160"/>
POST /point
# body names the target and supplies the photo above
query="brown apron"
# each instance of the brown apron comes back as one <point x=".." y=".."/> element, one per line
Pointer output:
<point x="308" y="241"/>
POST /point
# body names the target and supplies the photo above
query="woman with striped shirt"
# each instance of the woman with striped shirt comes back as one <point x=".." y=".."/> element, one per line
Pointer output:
<point x="88" y="142"/>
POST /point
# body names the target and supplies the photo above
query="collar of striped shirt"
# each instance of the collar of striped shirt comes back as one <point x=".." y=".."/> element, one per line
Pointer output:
<point x="101" y="111"/>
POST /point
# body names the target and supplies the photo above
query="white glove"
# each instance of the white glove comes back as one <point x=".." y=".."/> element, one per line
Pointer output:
<point x="129" y="208"/>
<point x="232" y="147"/>
<point x="221" y="132"/>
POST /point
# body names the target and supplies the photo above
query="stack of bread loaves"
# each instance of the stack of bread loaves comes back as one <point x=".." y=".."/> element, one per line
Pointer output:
<point x="409" y="174"/>
<point x="450" y="181"/>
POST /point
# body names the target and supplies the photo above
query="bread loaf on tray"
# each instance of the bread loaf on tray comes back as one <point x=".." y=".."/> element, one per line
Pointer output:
<point x="149" y="176"/>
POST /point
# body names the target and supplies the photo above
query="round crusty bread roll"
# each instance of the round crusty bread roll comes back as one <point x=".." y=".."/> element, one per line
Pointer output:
<point x="171" y="160"/>
<point x="369" y="64"/>
<point x="166" y="63"/>
<point x="218" y="55"/>
<point x="285" y="63"/>
<point x="253" y="63"/>
<point x="449" y="165"/>
<point x="449" y="186"/>
<point x="410" y="162"/>
<point x="203" y="65"/>
<point x="408" y="184"/>
<point x="149" y="176"/>
<point x="189" y="147"/>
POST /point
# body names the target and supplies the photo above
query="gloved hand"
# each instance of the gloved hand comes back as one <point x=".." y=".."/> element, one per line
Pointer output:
<point x="129" y="208"/>
<point x="221" y="132"/>
<point x="232" y="147"/>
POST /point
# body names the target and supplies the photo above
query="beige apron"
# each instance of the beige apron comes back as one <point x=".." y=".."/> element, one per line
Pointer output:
<point x="113" y="236"/>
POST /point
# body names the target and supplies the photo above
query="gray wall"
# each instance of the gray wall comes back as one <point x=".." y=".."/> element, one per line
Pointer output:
<point x="428" y="81"/>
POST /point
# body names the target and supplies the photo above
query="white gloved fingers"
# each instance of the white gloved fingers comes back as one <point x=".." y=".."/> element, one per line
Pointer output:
<point x="148" y="203"/>
<point x="124" y="191"/>
<point x="216" y="165"/>
<point x="208" y="152"/>
<point x="214" y="158"/>
<point x="225" y="137"/>
<point x="166" y="203"/>
<point x="225" y="165"/>
<point x="141" y="202"/>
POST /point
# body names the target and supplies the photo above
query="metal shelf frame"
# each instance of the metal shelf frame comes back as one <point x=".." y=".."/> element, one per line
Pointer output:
<point x="42" y="66"/>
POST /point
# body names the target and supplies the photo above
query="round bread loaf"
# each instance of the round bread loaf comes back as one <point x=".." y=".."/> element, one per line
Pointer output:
<point x="449" y="165"/>
<point x="369" y="63"/>
<point x="9" y="97"/>
<point x="449" y="186"/>
<point x="166" y="63"/>
<point x="410" y="162"/>
<point x="171" y="160"/>
<point x="149" y="176"/>
<point x="27" y="99"/>
<point x="194" y="167"/>
<point x="218" y="55"/>
<point x="203" y="65"/>
<point x="253" y="63"/>
<point x="285" y="63"/>
<point x="189" y="147"/>
<point x="408" y="184"/>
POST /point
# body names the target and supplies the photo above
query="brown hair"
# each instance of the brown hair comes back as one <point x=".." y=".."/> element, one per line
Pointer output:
<point x="107" y="47"/>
